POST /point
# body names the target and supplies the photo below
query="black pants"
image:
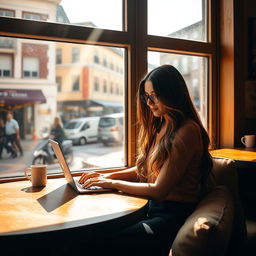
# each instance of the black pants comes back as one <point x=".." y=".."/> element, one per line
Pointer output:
<point x="155" y="234"/>
<point x="15" y="142"/>
<point x="4" y="144"/>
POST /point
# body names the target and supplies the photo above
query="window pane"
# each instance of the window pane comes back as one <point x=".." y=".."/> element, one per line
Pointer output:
<point x="76" y="83"/>
<point x="105" y="14"/>
<point x="184" y="19"/>
<point x="195" y="76"/>
<point x="66" y="90"/>
<point x="5" y="65"/>
<point x="7" y="13"/>
<point x="30" y="67"/>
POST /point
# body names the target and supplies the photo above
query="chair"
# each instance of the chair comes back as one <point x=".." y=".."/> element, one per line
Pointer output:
<point x="217" y="226"/>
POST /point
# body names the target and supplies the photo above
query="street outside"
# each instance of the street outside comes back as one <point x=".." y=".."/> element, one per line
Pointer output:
<point x="87" y="156"/>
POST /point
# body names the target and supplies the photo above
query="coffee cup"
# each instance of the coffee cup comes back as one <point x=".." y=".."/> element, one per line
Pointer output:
<point x="248" y="140"/>
<point x="38" y="175"/>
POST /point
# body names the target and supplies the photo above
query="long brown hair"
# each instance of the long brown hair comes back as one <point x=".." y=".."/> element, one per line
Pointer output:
<point x="171" y="90"/>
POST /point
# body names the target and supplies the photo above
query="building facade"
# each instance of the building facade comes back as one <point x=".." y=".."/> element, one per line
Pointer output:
<point x="90" y="80"/>
<point x="27" y="70"/>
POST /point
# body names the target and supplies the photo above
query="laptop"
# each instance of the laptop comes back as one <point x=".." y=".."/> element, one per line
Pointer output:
<point x="73" y="182"/>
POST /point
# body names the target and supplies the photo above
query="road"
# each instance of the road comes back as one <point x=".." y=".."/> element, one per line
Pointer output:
<point x="87" y="156"/>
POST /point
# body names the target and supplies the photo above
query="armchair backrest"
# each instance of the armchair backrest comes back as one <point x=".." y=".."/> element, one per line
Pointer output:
<point x="217" y="226"/>
<point x="225" y="173"/>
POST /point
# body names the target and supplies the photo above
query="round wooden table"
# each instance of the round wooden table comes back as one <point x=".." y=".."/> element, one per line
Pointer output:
<point x="55" y="220"/>
<point x="28" y="210"/>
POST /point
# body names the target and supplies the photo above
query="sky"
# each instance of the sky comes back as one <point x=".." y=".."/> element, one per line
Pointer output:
<point x="164" y="16"/>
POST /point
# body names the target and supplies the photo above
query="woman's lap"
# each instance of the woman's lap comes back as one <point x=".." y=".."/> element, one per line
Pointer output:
<point x="153" y="235"/>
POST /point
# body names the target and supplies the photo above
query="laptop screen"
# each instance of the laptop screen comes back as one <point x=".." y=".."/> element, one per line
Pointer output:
<point x="62" y="162"/>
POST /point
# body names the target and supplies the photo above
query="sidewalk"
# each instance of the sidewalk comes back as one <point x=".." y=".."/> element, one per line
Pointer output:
<point x="27" y="145"/>
<point x="15" y="166"/>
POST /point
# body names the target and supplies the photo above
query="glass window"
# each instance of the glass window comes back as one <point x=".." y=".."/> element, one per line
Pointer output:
<point x="111" y="65"/>
<point x="105" y="64"/>
<point x="195" y="63"/>
<point x="68" y="91"/>
<point x="107" y="122"/>
<point x="5" y="65"/>
<point x="30" y="67"/>
<point x="53" y="94"/>
<point x="34" y="16"/>
<point x="59" y="84"/>
<point x="90" y="13"/>
<point x="111" y="88"/>
<point x="75" y="84"/>
<point x="96" y="58"/>
<point x="6" y="13"/>
<point x="196" y="79"/>
<point x="73" y="125"/>
<point x="7" y="43"/>
<point x="184" y="19"/>
<point x="96" y="84"/>
<point x="105" y="89"/>
<point x="58" y="56"/>
<point x="75" y="54"/>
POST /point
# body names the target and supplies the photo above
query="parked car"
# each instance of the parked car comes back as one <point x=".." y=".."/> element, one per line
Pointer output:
<point x="82" y="130"/>
<point x="110" y="129"/>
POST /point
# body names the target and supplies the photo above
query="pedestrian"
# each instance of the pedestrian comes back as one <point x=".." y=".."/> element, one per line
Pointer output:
<point x="173" y="164"/>
<point x="57" y="131"/>
<point x="13" y="133"/>
<point x="3" y="141"/>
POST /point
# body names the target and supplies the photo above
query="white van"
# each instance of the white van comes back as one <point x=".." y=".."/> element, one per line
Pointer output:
<point x="82" y="130"/>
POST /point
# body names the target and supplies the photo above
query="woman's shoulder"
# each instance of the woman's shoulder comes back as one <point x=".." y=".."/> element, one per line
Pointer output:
<point x="190" y="130"/>
<point x="189" y="126"/>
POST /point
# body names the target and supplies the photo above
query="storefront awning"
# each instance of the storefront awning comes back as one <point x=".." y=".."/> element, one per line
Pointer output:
<point x="19" y="96"/>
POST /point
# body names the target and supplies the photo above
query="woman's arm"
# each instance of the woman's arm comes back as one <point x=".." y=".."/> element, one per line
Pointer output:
<point x="128" y="175"/>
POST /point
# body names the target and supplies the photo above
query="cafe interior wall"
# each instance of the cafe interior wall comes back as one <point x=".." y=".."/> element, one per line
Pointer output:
<point x="249" y="82"/>
<point x="241" y="121"/>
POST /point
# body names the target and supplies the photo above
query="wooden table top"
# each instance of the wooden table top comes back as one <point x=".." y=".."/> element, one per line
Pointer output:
<point x="26" y="210"/>
<point x="238" y="154"/>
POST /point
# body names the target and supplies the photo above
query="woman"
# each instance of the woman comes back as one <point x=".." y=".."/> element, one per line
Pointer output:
<point x="57" y="130"/>
<point x="173" y="163"/>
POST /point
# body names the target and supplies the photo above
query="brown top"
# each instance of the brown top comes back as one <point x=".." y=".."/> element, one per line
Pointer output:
<point x="26" y="210"/>
<point x="182" y="170"/>
<point x="185" y="162"/>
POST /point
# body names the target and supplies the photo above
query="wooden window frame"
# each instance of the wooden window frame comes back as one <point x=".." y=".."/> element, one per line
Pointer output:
<point x="137" y="42"/>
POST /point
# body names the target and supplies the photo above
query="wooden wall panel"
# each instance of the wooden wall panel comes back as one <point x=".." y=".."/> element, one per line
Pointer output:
<point x="226" y="88"/>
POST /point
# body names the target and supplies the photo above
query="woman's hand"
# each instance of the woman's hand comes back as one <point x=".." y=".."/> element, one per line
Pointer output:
<point x="95" y="179"/>
<point x="99" y="181"/>
<point x="88" y="175"/>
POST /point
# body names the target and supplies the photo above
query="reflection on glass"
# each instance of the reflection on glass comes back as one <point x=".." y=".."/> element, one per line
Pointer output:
<point x="193" y="70"/>
<point x="92" y="13"/>
<point x="184" y="19"/>
<point x="42" y="80"/>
